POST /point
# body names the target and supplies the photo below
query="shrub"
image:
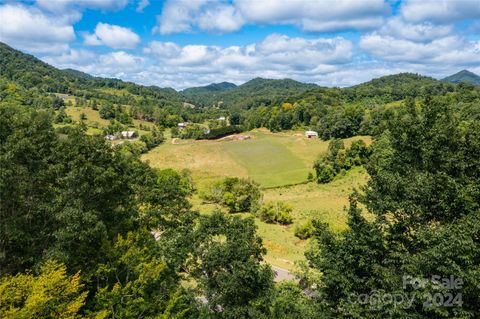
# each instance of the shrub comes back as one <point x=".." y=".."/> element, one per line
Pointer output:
<point x="237" y="194"/>
<point x="325" y="172"/>
<point x="273" y="213"/>
<point x="305" y="230"/>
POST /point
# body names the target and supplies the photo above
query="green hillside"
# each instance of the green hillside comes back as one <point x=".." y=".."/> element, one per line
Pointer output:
<point x="463" y="76"/>
<point x="253" y="93"/>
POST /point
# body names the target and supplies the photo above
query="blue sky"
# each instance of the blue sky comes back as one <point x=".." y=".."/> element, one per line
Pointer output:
<point x="185" y="43"/>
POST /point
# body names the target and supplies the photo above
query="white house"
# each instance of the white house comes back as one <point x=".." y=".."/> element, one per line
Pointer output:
<point x="311" y="134"/>
<point x="181" y="126"/>
<point x="110" y="137"/>
<point x="128" y="134"/>
<point x="221" y="118"/>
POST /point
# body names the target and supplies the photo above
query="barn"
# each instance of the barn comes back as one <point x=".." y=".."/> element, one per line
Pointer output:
<point x="311" y="134"/>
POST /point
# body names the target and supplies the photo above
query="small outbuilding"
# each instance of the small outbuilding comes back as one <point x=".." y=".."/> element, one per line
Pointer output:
<point x="110" y="137"/>
<point x="311" y="134"/>
<point x="181" y="126"/>
<point x="128" y="134"/>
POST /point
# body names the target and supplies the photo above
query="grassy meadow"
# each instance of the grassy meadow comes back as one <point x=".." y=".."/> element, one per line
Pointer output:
<point x="280" y="163"/>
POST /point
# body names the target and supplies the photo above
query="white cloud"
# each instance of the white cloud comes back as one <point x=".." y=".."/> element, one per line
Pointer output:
<point x="316" y="15"/>
<point x="277" y="56"/>
<point x="169" y="64"/>
<point x="423" y="31"/>
<point x="276" y="51"/>
<point x="440" y="11"/>
<point x="142" y="4"/>
<point x="114" y="36"/>
<point x="221" y="16"/>
<point x="116" y="64"/>
<point x="30" y="29"/>
<point x="451" y="50"/>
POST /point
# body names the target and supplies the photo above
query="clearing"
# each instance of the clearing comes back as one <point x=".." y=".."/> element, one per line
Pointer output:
<point x="280" y="163"/>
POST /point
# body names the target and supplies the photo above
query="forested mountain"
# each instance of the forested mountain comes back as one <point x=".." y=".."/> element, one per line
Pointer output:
<point x="463" y="76"/>
<point x="30" y="72"/>
<point x="214" y="87"/>
<point x="398" y="87"/>
<point x="250" y="94"/>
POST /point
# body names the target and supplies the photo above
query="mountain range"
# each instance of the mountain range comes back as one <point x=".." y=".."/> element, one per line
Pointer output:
<point x="31" y="72"/>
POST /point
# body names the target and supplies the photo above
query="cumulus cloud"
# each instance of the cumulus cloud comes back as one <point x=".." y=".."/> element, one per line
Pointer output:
<point x="440" y="11"/>
<point x="170" y="64"/>
<point x="422" y="31"/>
<point x="114" y="36"/>
<point x="116" y="64"/>
<point x="28" y="28"/>
<point x="450" y="50"/>
<point x="275" y="52"/>
<point x="221" y="16"/>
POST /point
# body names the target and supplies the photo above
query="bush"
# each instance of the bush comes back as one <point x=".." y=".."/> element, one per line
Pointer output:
<point x="152" y="139"/>
<point x="237" y="194"/>
<point x="325" y="172"/>
<point x="305" y="230"/>
<point x="276" y="213"/>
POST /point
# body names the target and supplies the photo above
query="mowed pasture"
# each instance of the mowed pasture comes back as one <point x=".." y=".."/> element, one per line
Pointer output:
<point x="280" y="163"/>
<point x="271" y="159"/>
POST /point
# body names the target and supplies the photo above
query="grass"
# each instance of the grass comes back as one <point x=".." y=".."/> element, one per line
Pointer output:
<point x="92" y="116"/>
<point x="276" y="161"/>
<point x="267" y="160"/>
<point x="272" y="160"/>
<point x="325" y="202"/>
<point x="95" y="123"/>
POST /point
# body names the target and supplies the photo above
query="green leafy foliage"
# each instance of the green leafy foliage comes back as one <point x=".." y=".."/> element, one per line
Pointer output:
<point x="277" y="212"/>
<point x="305" y="230"/>
<point x="229" y="270"/>
<point x="51" y="294"/>
<point x="338" y="159"/>
<point x="237" y="194"/>
<point x="424" y="194"/>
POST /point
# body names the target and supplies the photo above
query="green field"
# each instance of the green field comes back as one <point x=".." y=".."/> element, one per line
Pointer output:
<point x="272" y="160"/>
<point x="280" y="163"/>
<point x="94" y="122"/>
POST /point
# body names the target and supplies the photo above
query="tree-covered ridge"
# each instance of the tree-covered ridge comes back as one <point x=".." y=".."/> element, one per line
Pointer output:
<point x="463" y="76"/>
<point x="29" y="72"/>
<point x="213" y="87"/>
<point x="251" y="94"/>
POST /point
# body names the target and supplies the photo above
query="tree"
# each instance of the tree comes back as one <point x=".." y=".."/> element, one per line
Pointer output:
<point x="107" y="111"/>
<point x="238" y="195"/>
<point x="135" y="282"/>
<point x="228" y="256"/>
<point x="423" y="191"/>
<point x="290" y="302"/>
<point x="51" y="294"/>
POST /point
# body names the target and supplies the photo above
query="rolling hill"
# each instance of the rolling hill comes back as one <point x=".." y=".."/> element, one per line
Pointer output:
<point x="253" y="93"/>
<point x="463" y="76"/>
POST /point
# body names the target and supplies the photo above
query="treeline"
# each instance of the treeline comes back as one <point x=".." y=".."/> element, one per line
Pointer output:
<point x="333" y="116"/>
